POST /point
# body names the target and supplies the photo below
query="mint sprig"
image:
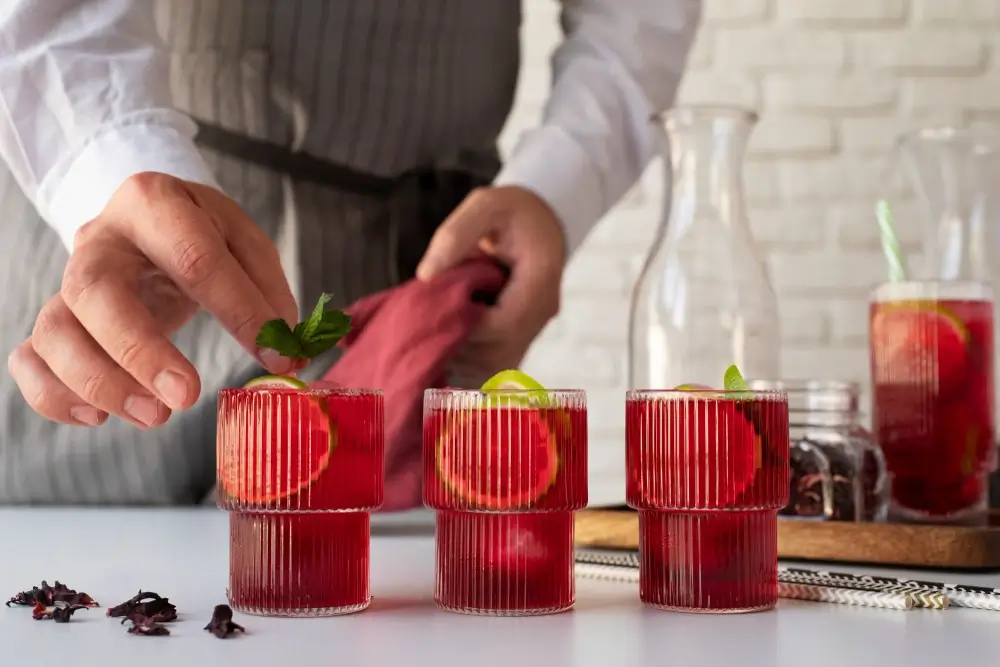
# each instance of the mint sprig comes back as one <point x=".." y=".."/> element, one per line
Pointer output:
<point x="309" y="338"/>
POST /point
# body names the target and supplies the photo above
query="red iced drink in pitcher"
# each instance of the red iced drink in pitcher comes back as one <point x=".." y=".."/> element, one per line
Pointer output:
<point x="932" y="373"/>
<point x="299" y="469"/>
<point x="708" y="471"/>
<point x="505" y="471"/>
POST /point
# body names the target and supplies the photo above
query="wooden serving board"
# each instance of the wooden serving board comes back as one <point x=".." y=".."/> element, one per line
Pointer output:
<point x="901" y="545"/>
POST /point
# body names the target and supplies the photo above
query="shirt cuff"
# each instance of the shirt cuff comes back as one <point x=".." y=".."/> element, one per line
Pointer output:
<point x="76" y="194"/>
<point x="549" y="163"/>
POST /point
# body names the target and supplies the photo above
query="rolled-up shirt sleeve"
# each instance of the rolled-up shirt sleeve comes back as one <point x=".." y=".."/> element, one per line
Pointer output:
<point x="621" y="61"/>
<point x="85" y="103"/>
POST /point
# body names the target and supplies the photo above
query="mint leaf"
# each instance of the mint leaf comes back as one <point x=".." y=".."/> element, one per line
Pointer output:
<point x="734" y="382"/>
<point x="316" y="318"/>
<point x="277" y="335"/>
<point x="310" y="338"/>
<point x="315" y="348"/>
<point x="334" y="323"/>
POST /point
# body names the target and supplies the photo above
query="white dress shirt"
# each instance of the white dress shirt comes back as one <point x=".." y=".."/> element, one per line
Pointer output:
<point x="85" y="103"/>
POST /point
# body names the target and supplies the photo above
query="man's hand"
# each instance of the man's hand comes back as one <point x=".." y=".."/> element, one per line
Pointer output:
<point x="518" y="228"/>
<point x="161" y="249"/>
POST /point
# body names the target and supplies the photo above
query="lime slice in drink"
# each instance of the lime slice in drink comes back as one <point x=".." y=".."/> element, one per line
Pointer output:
<point x="512" y="380"/>
<point x="919" y="342"/>
<point x="503" y="456"/>
<point x="276" y="382"/>
<point x="516" y="388"/>
<point x="498" y="458"/>
<point x="717" y="436"/>
<point x="703" y="390"/>
<point x="706" y="436"/>
<point x="288" y="459"/>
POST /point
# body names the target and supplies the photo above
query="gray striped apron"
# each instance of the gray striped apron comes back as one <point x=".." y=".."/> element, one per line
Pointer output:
<point x="412" y="92"/>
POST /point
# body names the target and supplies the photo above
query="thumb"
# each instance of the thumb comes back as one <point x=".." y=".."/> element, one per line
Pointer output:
<point x="457" y="236"/>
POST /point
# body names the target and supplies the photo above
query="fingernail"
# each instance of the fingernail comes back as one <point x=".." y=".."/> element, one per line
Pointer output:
<point x="274" y="362"/>
<point x="86" y="415"/>
<point x="171" y="388"/>
<point x="142" y="409"/>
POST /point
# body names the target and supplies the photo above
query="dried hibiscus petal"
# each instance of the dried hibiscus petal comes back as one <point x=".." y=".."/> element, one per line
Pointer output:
<point x="49" y="595"/>
<point x="63" y="593"/>
<point x="222" y="624"/>
<point x="138" y="618"/>
<point x="61" y="612"/>
<point x="39" y="611"/>
<point x="147" y="604"/>
<point x="153" y="630"/>
<point x="27" y="598"/>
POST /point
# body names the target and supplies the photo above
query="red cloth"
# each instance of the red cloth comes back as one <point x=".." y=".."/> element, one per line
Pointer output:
<point x="401" y="341"/>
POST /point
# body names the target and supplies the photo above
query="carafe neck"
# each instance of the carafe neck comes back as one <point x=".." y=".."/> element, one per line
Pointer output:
<point x="707" y="149"/>
<point x="954" y="173"/>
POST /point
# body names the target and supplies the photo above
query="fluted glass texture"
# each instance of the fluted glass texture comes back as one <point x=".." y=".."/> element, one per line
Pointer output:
<point x="932" y="360"/>
<point x="706" y="450"/>
<point x="708" y="471"/>
<point x="299" y="471"/>
<point x="508" y="451"/>
<point x="505" y="471"/>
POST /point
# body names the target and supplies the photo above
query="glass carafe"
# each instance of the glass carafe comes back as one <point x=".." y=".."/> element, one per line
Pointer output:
<point x="704" y="299"/>
<point x="955" y="173"/>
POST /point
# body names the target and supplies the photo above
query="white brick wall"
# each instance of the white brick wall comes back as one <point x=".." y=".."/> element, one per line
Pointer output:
<point x="835" y="81"/>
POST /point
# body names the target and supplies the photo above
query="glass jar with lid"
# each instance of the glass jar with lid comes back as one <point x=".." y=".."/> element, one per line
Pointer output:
<point x="837" y="468"/>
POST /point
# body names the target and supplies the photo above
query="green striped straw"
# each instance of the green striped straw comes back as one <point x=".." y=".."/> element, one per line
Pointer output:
<point x="890" y="242"/>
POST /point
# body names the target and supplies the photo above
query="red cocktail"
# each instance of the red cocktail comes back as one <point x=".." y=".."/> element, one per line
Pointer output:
<point x="299" y="469"/>
<point x="505" y="470"/>
<point x="932" y="371"/>
<point x="708" y="472"/>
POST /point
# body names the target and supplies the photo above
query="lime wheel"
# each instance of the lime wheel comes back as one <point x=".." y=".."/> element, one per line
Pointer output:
<point x="710" y="439"/>
<point x="504" y="456"/>
<point x="276" y="446"/>
<point x="518" y="388"/>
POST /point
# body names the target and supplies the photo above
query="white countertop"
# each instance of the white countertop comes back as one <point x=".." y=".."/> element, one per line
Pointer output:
<point x="182" y="554"/>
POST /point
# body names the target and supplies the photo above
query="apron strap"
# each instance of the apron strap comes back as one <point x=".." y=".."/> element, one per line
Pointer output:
<point x="296" y="165"/>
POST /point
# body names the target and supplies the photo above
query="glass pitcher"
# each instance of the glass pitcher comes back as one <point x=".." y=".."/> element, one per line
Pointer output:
<point x="704" y="299"/>
<point x="955" y="173"/>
